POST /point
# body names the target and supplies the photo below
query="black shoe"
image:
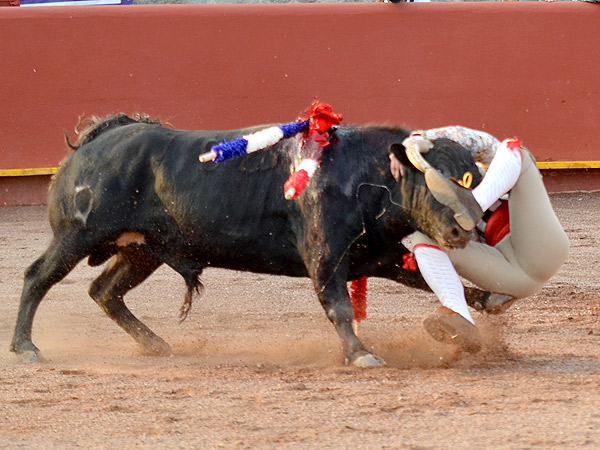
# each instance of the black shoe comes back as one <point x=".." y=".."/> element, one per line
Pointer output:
<point x="467" y="211"/>
<point x="498" y="303"/>
<point x="454" y="329"/>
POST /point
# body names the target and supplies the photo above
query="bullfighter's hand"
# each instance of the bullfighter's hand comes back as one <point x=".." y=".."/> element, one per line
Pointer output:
<point x="396" y="167"/>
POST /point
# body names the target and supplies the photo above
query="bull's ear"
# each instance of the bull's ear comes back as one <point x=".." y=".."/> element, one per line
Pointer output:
<point x="399" y="152"/>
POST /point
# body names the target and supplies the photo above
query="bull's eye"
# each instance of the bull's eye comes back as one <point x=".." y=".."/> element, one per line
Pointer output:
<point x="467" y="180"/>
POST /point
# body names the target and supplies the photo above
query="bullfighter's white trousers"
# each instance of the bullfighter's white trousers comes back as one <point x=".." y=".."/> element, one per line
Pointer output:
<point x="526" y="258"/>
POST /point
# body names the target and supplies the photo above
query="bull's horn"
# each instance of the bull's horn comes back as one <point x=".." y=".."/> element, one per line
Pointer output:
<point x="414" y="153"/>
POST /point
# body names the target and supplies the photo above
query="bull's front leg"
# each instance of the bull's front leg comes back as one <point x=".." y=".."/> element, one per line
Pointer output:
<point x="333" y="222"/>
<point x="338" y="307"/>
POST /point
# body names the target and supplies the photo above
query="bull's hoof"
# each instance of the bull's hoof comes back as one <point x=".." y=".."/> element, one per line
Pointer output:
<point x="30" y="356"/>
<point x="368" y="360"/>
<point x="26" y="351"/>
<point x="156" y="348"/>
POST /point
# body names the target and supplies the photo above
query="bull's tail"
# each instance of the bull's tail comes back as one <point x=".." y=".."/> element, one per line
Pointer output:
<point x="94" y="126"/>
<point x="194" y="286"/>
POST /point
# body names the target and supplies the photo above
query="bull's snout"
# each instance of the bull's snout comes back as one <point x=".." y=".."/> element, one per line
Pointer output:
<point x="456" y="237"/>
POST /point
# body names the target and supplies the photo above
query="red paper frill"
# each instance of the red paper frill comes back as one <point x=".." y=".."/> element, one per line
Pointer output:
<point x="322" y="117"/>
<point x="409" y="262"/>
<point x="513" y="143"/>
<point x="358" y="294"/>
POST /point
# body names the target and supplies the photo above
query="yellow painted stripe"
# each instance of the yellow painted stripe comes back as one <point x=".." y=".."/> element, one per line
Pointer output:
<point x="27" y="172"/>
<point x="569" y="165"/>
<point x="541" y="165"/>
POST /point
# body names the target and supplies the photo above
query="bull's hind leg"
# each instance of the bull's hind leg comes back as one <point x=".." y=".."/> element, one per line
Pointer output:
<point x="56" y="262"/>
<point x="126" y="270"/>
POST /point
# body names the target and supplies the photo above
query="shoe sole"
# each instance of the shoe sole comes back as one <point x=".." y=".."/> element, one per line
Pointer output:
<point x="454" y="329"/>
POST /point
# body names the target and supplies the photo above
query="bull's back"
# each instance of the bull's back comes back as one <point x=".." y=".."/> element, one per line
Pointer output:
<point x="147" y="179"/>
<point x="234" y="213"/>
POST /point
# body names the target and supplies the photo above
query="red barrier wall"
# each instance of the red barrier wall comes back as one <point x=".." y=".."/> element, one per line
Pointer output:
<point x="528" y="69"/>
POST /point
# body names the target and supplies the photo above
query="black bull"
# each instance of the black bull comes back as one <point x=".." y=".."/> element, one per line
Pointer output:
<point x="135" y="191"/>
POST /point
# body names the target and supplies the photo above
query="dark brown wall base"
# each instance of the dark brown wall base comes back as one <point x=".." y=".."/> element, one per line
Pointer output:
<point x="17" y="191"/>
<point x="566" y="180"/>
